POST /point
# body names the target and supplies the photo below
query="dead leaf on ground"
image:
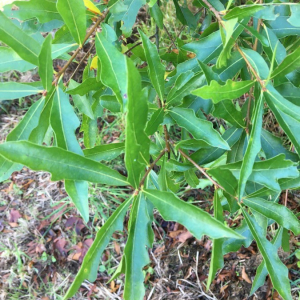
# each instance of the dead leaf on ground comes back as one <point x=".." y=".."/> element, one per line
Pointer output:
<point x="14" y="216"/>
<point x="245" y="276"/>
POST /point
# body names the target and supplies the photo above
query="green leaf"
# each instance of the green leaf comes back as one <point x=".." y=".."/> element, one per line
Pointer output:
<point x="62" y="164"/>
<point x="254" y="146"/>
<point x="184" y="84"/>
<point x="90" y="84"/>
<point x="110" y="102"/>
<point x="38" y="134"/>
<point x="242" y="12"/>
<point x="74" y="15"/>
<point x="137" y="142"/>
<point x="197" y="221"/>
<point x="279" y="213"/>
<point x="113" y="68"/>
<point x="24" y="128"/>
<point x="207" y="155"/>
<point x="233" y="245"/>
<point x="45" y="63"/>
<point x="89" y="267"/>
<point x="277" y="270"/>
<point x="295" y="15"/>
<point x="266" y="172"/>
<point x="217" y="92"/>
<point x="45" y="11"/>
<point x="24" y="45"/>
<point x="81" y="102"/>
<point x="217" y="261"/>
<point x="282" y="28"/>
<point x="286" y="113"/>
<point x="289" y="64"/>
<point x="21" y="132"/>
<point x="227" y="111"/>
<point x="104" y="152"/>
<point x="156" y="119"/>
<point x="10" y="60"/>
<point x="64" y="123"/>
<point x="200" y="129"/>
<point x="257" y="62"/>
<point x="272" y="146"/>
<point x="207" y="48"/>
<point x="89" y="125"/>
<point x="289" y="92"/>
<point x="157" y="15"/>
<point x="136" y="253"/>
<point x="156" y="69"/>
<point x="14" y="90"/>
<point x="262" y="272"/>
<point x="233" y="30"/>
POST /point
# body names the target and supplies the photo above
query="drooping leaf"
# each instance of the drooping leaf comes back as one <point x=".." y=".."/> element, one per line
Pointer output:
<point x="24" y="128"/>
<point x="64" y="122"/>
<point x="81" y="102"/>
<point x="184" y="84"/>
<point x="104" y="152"/>
<point x="137" y="142"/>
<point x="200" y="129"/>
<point x="279" y="213"/>
<point x="289" y="92"/>
<point x="272" y="146"/>
<point x="227" y="111"/>
<point x="90" y="84"/>
<point x="157" y="15"/>
<point x="110" y="102"/>
<point x="257" y="62"/>
<point x="295" y="16"/>
<point x="74" y="15"/>
<point x="45" y="63"/>
<point x="262" y="272"/>
<point x="286" y="113"/>
<point x="113" y="68"/>
<point x="242" y="12"/>
<point x="207" y="48"/>
<point x="136" y="254"/>
<point x="21" y="132"/>
<point x="14" y="90"/>
<point x="289" y="64"/>
<point x="24" y="45"/>
<point x="254" y="146"/>
<point x="62" y="164"/>
<point x="217" y="261"/>
<point x="44" y="11"/>
<point x="197" y="221"/>
<point x="10" y="60"/>
<point x="156" y="69"/>
<point x="266" y="172"/>
<point x="207" y="155"/>
<point x="277" y="270"/>
<point x="38" y="134"/>
<point x="89" y="267"/>
<point x="231" y="90"/>
<point x="155" y="120"/>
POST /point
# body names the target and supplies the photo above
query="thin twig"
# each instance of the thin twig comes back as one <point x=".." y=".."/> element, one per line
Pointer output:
<point x="202" y="170"/>
<point x="170" y="37"/>
<point x="161" y="154"/>
<point x="82" y="60"/>
<point x="137" y="44"/>
<point x="90" y="32"/>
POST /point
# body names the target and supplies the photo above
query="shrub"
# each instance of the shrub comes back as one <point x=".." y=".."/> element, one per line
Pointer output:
<point x="201" y="116"/>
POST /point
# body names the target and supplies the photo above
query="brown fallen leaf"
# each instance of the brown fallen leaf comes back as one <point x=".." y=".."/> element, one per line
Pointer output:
<point x="245" y="276"/>
<point x="14" y="216"/>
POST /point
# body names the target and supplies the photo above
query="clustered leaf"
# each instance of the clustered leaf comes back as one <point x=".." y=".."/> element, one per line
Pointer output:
<point x="194" y="114"/>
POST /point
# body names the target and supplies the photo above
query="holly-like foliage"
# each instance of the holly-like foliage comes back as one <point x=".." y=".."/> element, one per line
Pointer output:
<point x="195" y="108"/>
